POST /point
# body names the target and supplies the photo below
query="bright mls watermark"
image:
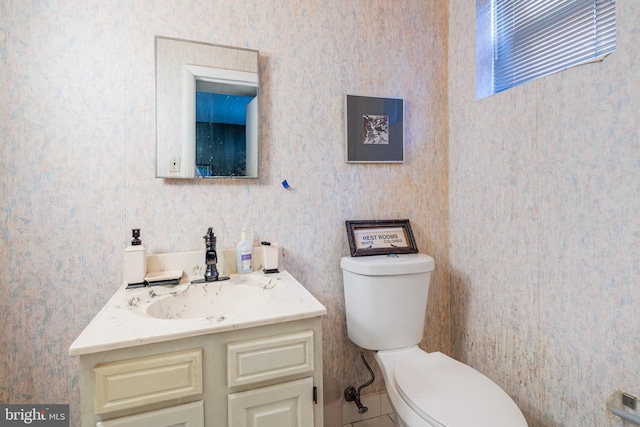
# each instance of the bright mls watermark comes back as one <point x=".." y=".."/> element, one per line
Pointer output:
<point x="34" y="415"/>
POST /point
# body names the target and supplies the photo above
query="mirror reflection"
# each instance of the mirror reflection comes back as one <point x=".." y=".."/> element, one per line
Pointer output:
<point x="206" y="110"/>
<point x="222" y="115"/>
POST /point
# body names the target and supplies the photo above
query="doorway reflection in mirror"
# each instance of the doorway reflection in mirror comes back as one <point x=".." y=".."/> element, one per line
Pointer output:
<point x="221" y="132"/>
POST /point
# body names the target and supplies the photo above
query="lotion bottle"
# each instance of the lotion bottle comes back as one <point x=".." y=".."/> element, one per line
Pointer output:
<point x="244" y="253"/>
<point x="135" y="261"/>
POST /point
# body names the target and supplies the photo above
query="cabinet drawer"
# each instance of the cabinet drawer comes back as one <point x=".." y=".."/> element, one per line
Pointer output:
<point x="269" y="358"/>
<point x="131" y="383"/>
<point x="188" y="415"/>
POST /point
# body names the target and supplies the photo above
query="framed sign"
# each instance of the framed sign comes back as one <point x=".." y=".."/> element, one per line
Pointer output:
<point x="375" y="129"/>
<point x="380" y="237"/>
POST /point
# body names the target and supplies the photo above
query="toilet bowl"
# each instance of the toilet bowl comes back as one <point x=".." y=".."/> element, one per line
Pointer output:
<point x="434" y="390"/>
<point x="386" y="302"/>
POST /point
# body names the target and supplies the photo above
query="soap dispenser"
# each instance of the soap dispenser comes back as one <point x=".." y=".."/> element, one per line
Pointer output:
<point x="244" y="253"/>
<point x="135" y="261"/>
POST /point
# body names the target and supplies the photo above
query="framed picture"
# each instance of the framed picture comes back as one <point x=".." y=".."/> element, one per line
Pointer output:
<point x="381" y="237"/>
<point x="375" y="129"/>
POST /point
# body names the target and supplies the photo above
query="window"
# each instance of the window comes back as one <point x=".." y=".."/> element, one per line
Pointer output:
<point x="521" y="40"/>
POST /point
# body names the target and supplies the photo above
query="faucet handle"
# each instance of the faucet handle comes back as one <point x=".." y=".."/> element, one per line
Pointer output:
<point x="210" y="237"/>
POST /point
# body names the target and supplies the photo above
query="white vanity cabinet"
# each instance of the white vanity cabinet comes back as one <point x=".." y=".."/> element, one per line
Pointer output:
<point x="261" y="376"/>
<point x="242" y="352"/>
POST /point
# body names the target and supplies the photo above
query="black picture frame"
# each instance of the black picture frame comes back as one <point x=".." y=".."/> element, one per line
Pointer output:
<point x="374" y="129"/>
<point x="380" y="237"/>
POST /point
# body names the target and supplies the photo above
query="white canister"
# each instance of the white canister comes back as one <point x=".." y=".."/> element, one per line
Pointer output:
<point x="135" y="261"/>
<point x="270" y="257"/>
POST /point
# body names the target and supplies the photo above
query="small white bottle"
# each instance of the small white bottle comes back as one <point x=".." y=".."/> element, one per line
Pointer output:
<point x="244" y="253"/>
<point x="135" y="261"/>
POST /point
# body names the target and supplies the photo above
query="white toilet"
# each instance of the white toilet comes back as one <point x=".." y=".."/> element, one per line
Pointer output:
<point x="386" y="302"/>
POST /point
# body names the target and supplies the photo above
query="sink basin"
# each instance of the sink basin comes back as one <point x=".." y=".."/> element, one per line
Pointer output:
<point x="215" y="300"/>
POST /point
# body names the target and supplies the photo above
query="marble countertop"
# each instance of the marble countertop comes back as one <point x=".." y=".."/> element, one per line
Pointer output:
<point x="125" y="320"/>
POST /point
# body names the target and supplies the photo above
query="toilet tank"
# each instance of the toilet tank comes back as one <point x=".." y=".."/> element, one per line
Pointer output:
<point x="386" y="299"/>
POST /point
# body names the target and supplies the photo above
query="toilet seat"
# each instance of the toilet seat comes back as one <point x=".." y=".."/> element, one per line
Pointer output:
<point x="446" y="392"/>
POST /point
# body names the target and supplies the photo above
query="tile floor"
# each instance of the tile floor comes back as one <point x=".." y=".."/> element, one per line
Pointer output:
<point x="383" y="421"/>
<point x="379" y="414"/>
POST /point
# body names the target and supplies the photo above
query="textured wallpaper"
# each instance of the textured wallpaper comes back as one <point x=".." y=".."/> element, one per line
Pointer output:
<point x="77" y="130"/>
<point x="544" y="197"/>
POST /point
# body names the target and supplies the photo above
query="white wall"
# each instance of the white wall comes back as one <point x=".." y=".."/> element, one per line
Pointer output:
<point x="544" y="196"/>
<point x="77" y="166"/>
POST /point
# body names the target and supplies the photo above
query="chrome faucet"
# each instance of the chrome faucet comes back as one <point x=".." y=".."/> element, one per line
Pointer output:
<point x="211" y="259"/>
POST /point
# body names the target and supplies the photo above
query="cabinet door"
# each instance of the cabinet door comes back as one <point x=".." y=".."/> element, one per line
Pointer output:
<point x="288" y="404"/>
<point x="187" y="415"/>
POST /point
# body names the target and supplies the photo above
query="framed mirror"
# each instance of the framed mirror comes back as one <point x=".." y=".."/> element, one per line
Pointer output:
<point x="207" y="110"/>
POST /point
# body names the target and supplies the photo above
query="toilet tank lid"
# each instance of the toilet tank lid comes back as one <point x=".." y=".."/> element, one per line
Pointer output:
<point x="386" y="265"/>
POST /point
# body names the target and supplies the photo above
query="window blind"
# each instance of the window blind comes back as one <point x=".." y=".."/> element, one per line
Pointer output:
<point x="533" y="38"/>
